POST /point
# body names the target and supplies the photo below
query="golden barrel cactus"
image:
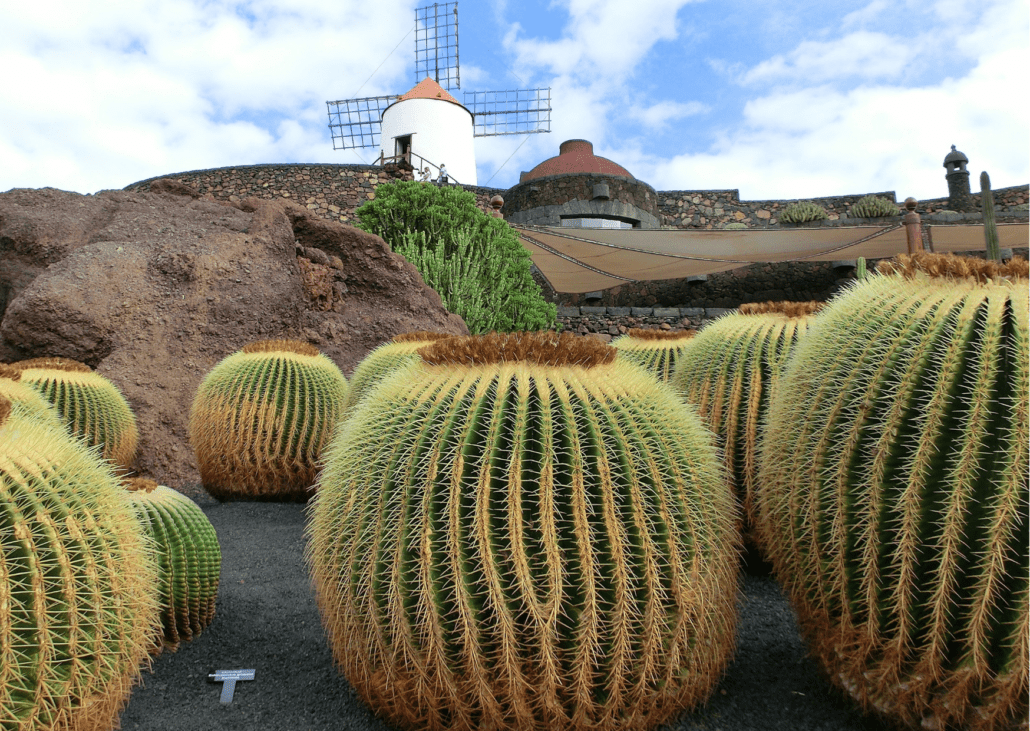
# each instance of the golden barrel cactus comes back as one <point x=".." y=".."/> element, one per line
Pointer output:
<point x="78" y="607"/>
<point x="260" y="419"/>
<point x="188" y="555"/>
<point x="893" y="491"/>
<point x="729" y="370"/>
<point x="90" y="404"/>
<point x="12" y="388"/>
<point x="523" y="532"/>
<point x="383" y="361"/>
<point x="655" y="350"/>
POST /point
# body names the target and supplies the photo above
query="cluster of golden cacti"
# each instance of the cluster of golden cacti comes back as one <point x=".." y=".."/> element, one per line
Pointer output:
<point x="656" y="350"/>
<point x="89" y="569"/>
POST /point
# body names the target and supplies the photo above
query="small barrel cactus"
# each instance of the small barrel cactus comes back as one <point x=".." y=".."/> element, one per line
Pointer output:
<point x="893" y="491"/>
<point x="261" y="417"/>
<point x="803" y="212"/>
<point x="521" y="531"/>
<point x="728" y="372"/>
<point x="872" y="206"/>
<point x="189" y="558"/>
<point x="90" y="404"/>
<point x="385" y="360"/>
<point x="655" y="350"/>
<point x="78" y="608"/>
<point x="12" y="388"/>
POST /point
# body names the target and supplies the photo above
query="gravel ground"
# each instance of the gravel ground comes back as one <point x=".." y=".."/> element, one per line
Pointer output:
<point x="266" y="619"/>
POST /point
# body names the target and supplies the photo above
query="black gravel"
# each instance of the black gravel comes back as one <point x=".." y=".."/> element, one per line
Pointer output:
<point x="266" y="619"/>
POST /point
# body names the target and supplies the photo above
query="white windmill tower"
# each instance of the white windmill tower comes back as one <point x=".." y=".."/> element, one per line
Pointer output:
<point x="427" y="126"/>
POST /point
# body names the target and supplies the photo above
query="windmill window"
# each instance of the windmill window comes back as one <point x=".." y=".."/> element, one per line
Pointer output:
<point x="402" y="147"/>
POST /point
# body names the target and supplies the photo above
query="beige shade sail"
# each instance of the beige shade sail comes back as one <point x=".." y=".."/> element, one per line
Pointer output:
<point x="586" y="260"/>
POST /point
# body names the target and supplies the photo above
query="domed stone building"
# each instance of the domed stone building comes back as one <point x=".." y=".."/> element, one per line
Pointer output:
<point x="580" y="189"/>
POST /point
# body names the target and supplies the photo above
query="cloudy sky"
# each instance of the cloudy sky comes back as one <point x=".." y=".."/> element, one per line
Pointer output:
<point x="777" y="99"/>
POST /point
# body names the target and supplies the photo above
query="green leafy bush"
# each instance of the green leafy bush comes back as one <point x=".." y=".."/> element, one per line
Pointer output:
<point x="803" y="212"/>
<point x="872" y="206"/>
<point x="474" y="261"/>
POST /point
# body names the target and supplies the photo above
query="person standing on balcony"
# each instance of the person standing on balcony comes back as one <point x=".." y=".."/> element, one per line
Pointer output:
<point x="442" y="180"/>
<point x="425" y="175"/>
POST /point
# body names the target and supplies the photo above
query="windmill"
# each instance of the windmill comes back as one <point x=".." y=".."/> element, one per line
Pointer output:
<point x="427" y="126"/>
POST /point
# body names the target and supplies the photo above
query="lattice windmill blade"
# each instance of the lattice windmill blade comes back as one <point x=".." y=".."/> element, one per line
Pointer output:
<point x="356" y="123"/>
<point x="514" y="112"/>
<point x="436" y="44"/>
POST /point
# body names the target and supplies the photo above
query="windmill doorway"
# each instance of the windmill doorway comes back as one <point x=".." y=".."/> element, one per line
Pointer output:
<point x="402" y="148"/>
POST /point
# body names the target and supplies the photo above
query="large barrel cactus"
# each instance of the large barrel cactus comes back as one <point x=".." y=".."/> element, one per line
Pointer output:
<point x="383" y="361"/>
<point x="261" y="417"/>
<point x="728" y="372"/>
<point x="523" y="532"/>
<point x="893" y="491"/>
<point x="655" y="350"/>
<point x="90" y="404"/>
<point x="189" y="558"/>
<point x="78" y="609"/>
<point x="12" y="389"/>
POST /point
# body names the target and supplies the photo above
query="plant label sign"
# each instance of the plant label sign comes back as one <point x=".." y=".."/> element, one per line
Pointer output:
<point x="228" y="679"/>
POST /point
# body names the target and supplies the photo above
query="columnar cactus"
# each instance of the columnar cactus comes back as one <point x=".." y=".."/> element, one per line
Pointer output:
<point x="78" y="609"/>
<point x="90" y="404"/>
<point x="12" y="388"/>
<point x="261" y="417"/>
<point x="189" y="558"/>
<point x="383" y="361"/>
<point x="523" y="532"/>
<point x="893" y="491"/>
<point x="655" y="350"/>
<point x="728" y="372"/>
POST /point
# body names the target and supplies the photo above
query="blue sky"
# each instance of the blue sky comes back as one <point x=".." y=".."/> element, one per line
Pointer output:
<point x="779" y="100"/>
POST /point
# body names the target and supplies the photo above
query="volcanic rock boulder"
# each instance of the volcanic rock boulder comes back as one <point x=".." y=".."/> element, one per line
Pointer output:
<point x="153" y="289"/>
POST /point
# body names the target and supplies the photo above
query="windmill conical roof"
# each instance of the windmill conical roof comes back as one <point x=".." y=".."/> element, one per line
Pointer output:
<point x="429" y="89"/>
<point x="575" y="156"/>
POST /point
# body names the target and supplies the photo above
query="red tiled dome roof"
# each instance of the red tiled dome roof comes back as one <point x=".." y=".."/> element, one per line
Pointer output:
<point x="575" y="156"/>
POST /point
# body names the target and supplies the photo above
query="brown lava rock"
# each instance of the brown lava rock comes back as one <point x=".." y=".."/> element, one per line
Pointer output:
<point x="153" y="289"/>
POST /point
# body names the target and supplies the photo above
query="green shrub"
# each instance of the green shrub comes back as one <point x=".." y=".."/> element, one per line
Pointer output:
<point x="803" y="212"/>
<point x="872" y="206"/>
<point x="474" y="261"/>
<point x="736" y="226"/>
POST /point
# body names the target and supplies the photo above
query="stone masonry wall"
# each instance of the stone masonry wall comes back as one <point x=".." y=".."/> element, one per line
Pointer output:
<point x="712" y="209"/>
<point x="550" y="193"/>
<point x="334" y="192"/>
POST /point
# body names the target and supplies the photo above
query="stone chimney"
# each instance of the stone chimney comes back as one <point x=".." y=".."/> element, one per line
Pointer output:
<point x="959" y="198"/>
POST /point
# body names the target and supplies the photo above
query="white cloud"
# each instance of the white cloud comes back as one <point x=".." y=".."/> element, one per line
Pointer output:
<point x="661" y="114"/>
<point x="861" y="54"/>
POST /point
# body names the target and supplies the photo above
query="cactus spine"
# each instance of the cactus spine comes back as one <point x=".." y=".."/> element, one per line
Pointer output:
<point x="729" y="371"/>
<point x="894" y="491"/>
<point x="260" y="419"/>
<point x="655" y="350"/>
<point x="523" y="532"/>
<point x="189" y="558"/>
<point x="78" y="610"/>
<point x="382" y="361"/>
<point x="90" y="404"/>
<point x="12" y="389"/>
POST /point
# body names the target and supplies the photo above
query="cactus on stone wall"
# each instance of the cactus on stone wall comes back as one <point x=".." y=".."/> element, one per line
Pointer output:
<point x="990" y="225"/>
<point x="188" y="556"/>
<point x="383" y="361"/>
<point x="78" y="608"/>
<point x="803" y="212"/>
<point x="523" y="532"/>
<point x="90" y="404"/>
<point x="873" y="206"/>
<point x="893" y="491"/>
<point x="261" y="417"/>
<point x="655" y="350"/>
<point x="728" y="372"/>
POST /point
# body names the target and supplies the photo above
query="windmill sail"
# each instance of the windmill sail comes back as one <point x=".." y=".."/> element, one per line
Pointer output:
<point x="356" y="123"/>
<point x="515" y="112"/>
<point x="436" y="44"/>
